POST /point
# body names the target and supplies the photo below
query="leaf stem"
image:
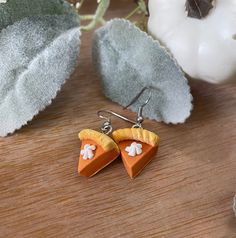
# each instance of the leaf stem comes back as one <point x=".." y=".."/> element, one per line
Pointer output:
<point x="103" y="5"/>
<point x="132" y="13"/>
<point x="98" y="17"/>
<point x="81" y="4"/>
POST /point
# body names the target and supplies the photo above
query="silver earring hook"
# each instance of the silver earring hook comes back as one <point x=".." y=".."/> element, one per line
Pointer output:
<point x="138" y="96"/>
<point x="140" y="119"/>
<point x="101" y="113"/>
<point x="107" y="127"/>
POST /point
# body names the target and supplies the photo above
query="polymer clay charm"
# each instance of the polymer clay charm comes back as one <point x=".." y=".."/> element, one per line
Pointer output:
<point x="138" y="147"/>
<point x="97" y="151"/>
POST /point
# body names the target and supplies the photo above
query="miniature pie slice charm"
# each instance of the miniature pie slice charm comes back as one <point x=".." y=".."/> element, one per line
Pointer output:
<point x="97" y="151"/>
<point x="138" y="147"/>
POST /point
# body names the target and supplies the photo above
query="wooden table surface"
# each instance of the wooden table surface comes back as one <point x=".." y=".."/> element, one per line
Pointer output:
<point x="186" y="191"/>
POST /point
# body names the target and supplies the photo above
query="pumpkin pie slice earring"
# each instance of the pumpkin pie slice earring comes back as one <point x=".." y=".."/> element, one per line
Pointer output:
<point x="137" y="145"/>
<point x="97" y="150"/>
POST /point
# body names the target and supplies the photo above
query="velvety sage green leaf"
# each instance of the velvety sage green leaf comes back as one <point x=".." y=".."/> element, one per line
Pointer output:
<point x="37" y="55"/>
<point x="15" y="10"/>
<point x="129" y="60"/>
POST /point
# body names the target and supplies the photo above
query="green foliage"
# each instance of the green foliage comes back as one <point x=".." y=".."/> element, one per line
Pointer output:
<point x="39" y="48"/>
<point x="15" y="10"/>
<point x="129" y="60"/>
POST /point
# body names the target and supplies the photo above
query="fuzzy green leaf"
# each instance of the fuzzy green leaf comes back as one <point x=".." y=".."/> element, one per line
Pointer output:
<point x="15" y="10"/>
<point x="37" y="55"/>
<point x="129" y="60"/>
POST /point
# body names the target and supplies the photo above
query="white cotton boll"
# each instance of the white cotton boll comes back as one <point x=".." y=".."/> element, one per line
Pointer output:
<point x="204" y="48"/>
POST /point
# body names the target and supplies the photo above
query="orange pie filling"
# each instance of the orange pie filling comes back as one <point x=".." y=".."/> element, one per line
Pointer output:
<point x="89" y="167"/>
<point x="138" y="147"/>
<point x="97" y="151"/>
<point x="135" y="164"/>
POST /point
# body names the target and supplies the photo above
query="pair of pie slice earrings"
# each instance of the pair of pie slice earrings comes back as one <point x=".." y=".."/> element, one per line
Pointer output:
<point x="135" y="145"/>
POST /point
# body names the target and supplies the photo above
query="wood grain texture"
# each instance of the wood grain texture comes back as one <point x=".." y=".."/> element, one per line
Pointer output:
<point x="186" y="192"/>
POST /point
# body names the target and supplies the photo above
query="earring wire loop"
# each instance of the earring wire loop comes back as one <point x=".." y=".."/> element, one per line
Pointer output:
<point x="140" y="119"/>
<point x="138" y="96"/>
<point x="107" y="128"/>
<point x="102" y="112"/>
